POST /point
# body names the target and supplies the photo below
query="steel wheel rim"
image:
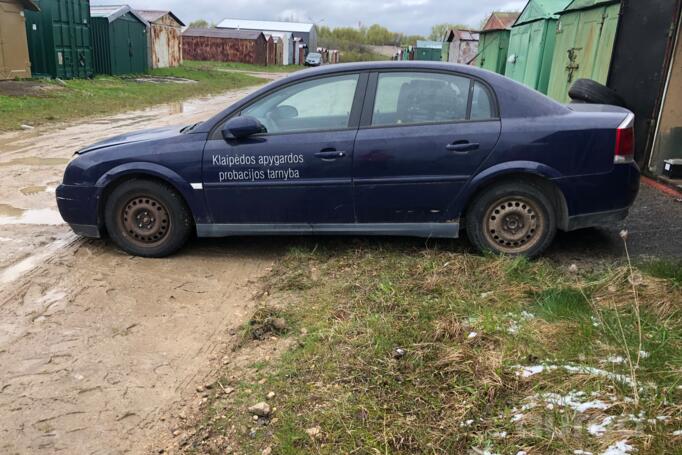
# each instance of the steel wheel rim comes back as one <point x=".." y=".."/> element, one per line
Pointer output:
<point x="514" y="224"/>
<point x="145" y="220"/>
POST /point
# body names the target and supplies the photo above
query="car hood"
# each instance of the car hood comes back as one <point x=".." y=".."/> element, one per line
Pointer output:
<point x="137" y="136"/>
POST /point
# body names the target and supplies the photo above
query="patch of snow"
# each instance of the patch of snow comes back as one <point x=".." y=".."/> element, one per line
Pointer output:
<point x="619" y="448"/>
<point x="500" y="434"/>
<point x="528" y="371"/>
<point x="598" y="429"/>
<point x="663" y="418"/>
<point x="466" y="423"/>
<point x="513" y="328"/>
<point x="472" y="335"/>
<point x="571" y="401"/>
<point x="581" y="452"/>
<point x="677" y="433"/>
<point x="526" y="315"/>
<point x="615" y="359"/>
<point x="531" y="370"/>
<point x="516" y="417"/>
<point x="644" y="354"/>
<point x="597" y="372"/>
<point x="595" y="322"/>
<point x="521" y="452"/>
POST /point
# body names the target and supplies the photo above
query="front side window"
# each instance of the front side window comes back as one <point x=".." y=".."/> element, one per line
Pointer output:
<point x="319" y="104"/>
<point x="411" y="98"/>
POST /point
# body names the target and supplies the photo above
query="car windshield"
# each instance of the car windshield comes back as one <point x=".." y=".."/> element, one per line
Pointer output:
<point x="314" y="55"/>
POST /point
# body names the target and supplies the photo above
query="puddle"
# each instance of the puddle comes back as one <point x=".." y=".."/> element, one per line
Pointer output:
<point x="18" y="269"/>
<point x="31" y="190"/>
<point x="13" y="215"/>
<point x="9" y="210"/>
<point x="34" y="161"/>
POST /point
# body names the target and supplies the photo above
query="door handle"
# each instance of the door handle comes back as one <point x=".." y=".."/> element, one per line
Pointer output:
<point x="330" y="155"/>
<point x="463" y="146"/>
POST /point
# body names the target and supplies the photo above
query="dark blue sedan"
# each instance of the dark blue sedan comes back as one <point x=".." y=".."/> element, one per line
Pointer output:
<point x="396" y="148"/>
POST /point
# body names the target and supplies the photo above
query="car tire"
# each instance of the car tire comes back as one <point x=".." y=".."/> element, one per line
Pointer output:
<point x="589" y="91"/>
<point x="514" y="218"/>
<point x="147" y="218"/>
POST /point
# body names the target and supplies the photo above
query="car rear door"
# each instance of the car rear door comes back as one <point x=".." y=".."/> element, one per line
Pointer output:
<point x="299" y="171"/>
<point x="422" y="135"/>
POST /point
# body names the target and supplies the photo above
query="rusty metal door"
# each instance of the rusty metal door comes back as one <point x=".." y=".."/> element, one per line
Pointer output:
<point x="14" y="61"/>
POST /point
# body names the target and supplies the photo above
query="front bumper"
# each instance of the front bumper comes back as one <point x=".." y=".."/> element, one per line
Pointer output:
<point x="78" y="205"/>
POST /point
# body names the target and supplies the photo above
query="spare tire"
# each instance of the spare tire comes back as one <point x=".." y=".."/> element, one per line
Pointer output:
<point x="593" y="92"/>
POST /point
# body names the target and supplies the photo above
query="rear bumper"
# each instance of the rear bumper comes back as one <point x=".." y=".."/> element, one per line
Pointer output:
<point x="599" y="219"/>
<point x="600" y="199"/>
<point x="78" y="206"/>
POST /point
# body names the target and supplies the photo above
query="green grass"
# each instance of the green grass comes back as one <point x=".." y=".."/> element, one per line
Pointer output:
<point x="465" y="324"/>
<point x="364" y="56"/>
<point x="669" y="270"/>
<point x="102" y="95"/>
<point x="245" y="66"/>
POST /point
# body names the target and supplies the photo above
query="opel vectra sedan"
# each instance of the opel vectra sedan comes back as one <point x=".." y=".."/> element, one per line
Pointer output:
<point x="382" y="148"/>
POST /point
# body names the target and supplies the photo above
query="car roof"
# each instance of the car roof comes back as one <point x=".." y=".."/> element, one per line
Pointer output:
<point x="389" y="64"/>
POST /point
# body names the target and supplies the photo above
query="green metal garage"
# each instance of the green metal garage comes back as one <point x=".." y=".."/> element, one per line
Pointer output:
<point x="586" y="32"/>
<point x="59" y="39"/>
<point x="531" y="43"/>
<point x="119" y="40"/>
<point x="494" y="41"/>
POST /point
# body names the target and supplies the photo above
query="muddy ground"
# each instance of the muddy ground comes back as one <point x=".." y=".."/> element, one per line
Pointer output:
<point x="97" y="348"/>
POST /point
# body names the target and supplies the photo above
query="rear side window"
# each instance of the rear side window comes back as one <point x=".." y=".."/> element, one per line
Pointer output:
<point x="481" y="104"/>
<point x="404" y="98"/>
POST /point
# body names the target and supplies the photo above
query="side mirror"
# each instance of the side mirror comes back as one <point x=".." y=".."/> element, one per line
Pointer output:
<point x="242" y="127"/>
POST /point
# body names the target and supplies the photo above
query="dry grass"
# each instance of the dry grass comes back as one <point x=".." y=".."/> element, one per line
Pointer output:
<point x="418" y="351"/>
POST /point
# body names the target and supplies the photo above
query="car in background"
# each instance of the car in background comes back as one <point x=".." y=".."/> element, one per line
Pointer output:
<point x="381" y="148"/>
<point x="313" y="59"/>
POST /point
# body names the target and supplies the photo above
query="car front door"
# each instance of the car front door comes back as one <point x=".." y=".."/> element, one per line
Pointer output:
<point x="420" y="140"/>
<point x="299" y="171"/>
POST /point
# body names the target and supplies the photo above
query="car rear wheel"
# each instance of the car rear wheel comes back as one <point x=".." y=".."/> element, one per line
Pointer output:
<point x="147" y="218"/>
<point x="514" y="218"/>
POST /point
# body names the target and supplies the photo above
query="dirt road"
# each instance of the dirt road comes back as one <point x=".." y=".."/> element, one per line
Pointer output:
<point x="96" y="346"/>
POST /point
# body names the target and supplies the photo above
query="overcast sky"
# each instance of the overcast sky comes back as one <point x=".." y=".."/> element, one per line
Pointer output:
<point x="407" y="16"/>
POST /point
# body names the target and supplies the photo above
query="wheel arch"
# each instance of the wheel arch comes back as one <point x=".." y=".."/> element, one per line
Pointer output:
<point x="149" y="171"/>
<point x="540" y="175"/>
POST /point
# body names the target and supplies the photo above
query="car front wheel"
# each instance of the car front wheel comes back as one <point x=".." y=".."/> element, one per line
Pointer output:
<point x="147" y="218"/>
<point x="514" y="218"/>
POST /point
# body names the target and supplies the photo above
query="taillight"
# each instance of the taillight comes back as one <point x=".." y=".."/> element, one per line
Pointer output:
<point x="625" y="141"/>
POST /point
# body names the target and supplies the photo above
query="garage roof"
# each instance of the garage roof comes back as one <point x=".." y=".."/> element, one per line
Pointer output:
<point x="154" y="15"/>
<point x="28" y="4"/>
<point x="500" y="20"/>
<point x="222" y="33"/>
<point x="113" y="12"/>
<point x="585" y="4"/>
<point x="541" y="9"/>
